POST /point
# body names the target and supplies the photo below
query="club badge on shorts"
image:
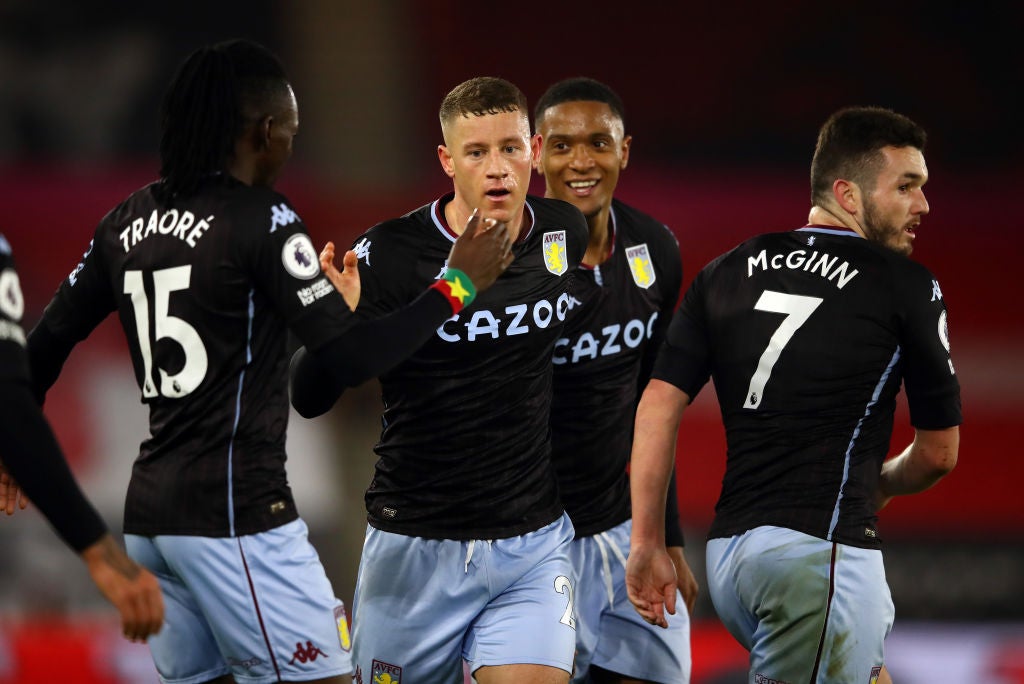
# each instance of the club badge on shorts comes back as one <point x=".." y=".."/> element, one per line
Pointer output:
<point x="876" y="672"/>
<point x="343" y="634"/>
<point x="555" y="259"/>
<point x="386" y="673"/>
<point x="639" y="259"/>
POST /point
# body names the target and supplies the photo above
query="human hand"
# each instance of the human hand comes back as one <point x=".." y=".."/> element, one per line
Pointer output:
<point x="11" y="496"/>
<point x="651" y="583"/>
<point x="483" y="251"/>
<point x="133" y="590"/>
<point x="685" y="580"/>
<point x="345" y="281"/>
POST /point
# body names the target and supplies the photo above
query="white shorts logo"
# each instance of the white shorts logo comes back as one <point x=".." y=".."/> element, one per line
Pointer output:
<point x="299" y="257"/>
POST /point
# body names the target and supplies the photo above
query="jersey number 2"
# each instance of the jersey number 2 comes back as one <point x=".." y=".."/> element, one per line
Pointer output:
<point x="166" y="281"/>
<point x="798" y="309"/>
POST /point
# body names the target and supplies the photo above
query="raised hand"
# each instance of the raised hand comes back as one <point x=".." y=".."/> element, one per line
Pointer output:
<point x="483" y="251"/>
<point x="345" y="281"/>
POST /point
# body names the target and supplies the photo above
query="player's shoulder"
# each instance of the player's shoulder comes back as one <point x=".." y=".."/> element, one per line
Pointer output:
<point x="411" y="223"/>
<point x="256" y="209"/>
<point x="634" y="225"/>
<point x="5" y="249"/>
<point x="552" y="213"/>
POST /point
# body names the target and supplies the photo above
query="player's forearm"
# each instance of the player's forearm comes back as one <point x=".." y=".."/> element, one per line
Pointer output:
<point x="366" y="351"/>
<point x="929" y="458"/>
<point x="47" y="353"/>
<point x="33" y="458"/>
<point x="652" y="459"/>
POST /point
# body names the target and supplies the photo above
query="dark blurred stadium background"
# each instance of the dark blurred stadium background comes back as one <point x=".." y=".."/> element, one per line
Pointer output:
<point x="723" y="100"/>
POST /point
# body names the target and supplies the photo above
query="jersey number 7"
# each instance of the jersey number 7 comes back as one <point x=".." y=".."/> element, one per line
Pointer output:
<point x="798" y="309"/>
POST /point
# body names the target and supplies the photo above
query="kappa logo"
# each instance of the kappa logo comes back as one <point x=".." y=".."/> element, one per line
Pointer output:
<point x="936" y="291"/>
<point x="306" y="654"/>
<point x="554" y="252"/>
<point x="639" y="259"/>
<point x="282" y="215"/>
<point x="386" y="673"/>
<point x="362" y="250"/>
<point x="299" y="257"/>
<point x="5" y="246"/>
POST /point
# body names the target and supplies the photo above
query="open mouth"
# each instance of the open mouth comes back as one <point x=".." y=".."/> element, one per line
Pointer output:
<point x="498" y="193"/>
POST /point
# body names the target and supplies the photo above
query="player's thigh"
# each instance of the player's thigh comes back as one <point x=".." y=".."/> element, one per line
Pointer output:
<point x="625" y="644"/>
<point x="529" y="618"/>
<point x="414" y="600"/>
<point x="520" y="674"/>
<point x="268" y="602"/>
<point x="185" y="649"/>
<point x="860" y="616"/>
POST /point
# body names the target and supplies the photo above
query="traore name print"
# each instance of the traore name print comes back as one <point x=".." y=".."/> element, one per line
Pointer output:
<point x="181" y="225"/>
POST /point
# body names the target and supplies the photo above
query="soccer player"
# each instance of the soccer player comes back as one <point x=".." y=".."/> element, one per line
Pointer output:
<point x="808" y="335"/>
<point x="628" y="285"/>
<point x="207" y="269"/>
<point x="34" y="465"/>
<point x="465" y="554"/>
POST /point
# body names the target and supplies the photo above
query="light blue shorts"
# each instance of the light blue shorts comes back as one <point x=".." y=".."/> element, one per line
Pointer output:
<point x="609" y="632"/>
<point x="801" y="605"/>
<point x="259" y="607"/>
<point x="422" y="606"/>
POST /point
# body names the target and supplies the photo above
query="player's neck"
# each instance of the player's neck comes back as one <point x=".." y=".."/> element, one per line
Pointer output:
<point x="599" y="245"/>
<point x="825" y="216"/>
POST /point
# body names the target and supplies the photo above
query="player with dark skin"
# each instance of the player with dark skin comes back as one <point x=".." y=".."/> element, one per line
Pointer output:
<point x="583" y="149"/>
<point x="214" y="242"/>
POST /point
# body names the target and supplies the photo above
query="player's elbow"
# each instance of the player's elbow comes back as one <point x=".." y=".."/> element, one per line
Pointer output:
<point x="938" y="450"/>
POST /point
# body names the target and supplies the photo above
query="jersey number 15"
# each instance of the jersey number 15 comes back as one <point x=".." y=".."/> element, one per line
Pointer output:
<point x="166" y="281"/>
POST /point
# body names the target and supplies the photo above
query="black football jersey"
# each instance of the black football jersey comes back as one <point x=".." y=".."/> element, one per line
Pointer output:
<point x="465" y="449"/>
<point x="602" y="361"/>
<point x="808" y="335"/>
<point x="205" y="290"/>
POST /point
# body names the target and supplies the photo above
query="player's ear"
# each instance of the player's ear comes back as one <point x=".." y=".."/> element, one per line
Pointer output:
<point x="262" y="131"/>
<point x="447" y="163"/>
<point x="626" y="142"/>
<point x="847" y="195"/>
<point x="535" y="153"/>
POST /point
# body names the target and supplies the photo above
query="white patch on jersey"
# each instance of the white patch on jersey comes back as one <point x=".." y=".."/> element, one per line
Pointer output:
<point x="639" y="259"/>
<point x="936" y="291"/>
<point x="362" y="250"/>
<point x="281" y="215"/>
<point x="11" y="301"/>
<point x="299" y="257"/>
<point x="555" y="259"/>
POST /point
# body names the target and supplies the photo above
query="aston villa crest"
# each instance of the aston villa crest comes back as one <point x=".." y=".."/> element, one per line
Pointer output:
<point x="640" y="265"/>
<point x="555" y="259"/>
